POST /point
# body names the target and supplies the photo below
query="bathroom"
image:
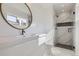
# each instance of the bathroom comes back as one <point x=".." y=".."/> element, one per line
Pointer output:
<point x="50" y="33"/>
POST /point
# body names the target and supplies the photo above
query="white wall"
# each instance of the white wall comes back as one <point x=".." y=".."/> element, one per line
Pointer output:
<point x="42" y="23"/>
<point x="76" y="41"/>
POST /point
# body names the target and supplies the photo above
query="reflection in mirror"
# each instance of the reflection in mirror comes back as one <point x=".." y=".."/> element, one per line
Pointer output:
<point x="21" y="19"/>
<point x="17" y="21"/>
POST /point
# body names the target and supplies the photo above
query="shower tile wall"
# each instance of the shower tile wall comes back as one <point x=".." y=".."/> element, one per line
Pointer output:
<point x="64" y="34"/>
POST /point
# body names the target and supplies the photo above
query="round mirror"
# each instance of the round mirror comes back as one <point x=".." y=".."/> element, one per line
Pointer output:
<point x="17" y="15"/>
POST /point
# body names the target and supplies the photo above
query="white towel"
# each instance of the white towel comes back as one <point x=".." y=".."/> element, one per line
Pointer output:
<point x="46" y="38"/>
<point x="50" y="37"/>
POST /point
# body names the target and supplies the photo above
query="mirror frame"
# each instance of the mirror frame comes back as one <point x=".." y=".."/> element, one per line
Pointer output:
<point x="11" y="24"/>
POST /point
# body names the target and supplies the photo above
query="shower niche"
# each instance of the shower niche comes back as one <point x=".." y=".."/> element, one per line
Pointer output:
<point x="64" y="31"/>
